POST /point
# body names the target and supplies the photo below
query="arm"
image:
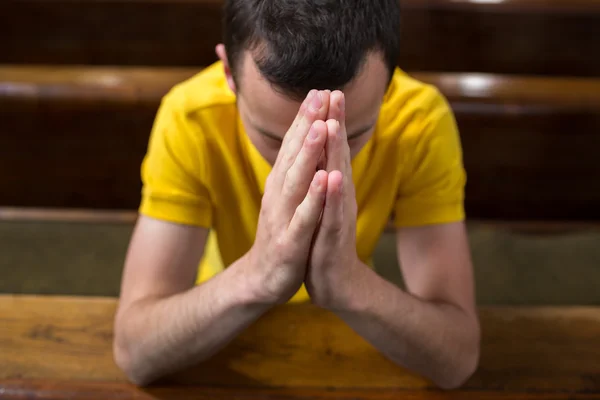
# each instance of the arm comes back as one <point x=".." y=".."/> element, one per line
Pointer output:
<point x="432" y="328"/>
<point x="163" y="322"/>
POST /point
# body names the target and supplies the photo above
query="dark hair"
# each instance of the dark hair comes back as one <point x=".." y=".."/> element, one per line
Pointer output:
<point x="299" y="45"/>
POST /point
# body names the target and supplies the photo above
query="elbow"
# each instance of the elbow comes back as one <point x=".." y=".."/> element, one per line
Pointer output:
<point x="463" y="367"/>
<point x="463" y="371"/>
<point x="127" y="361"/>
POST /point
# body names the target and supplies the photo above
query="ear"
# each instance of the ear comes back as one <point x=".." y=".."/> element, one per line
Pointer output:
<point x="222" y="54"/>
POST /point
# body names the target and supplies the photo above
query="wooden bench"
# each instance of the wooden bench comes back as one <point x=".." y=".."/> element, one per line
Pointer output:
<point x="556" y="37"/>
<point x="60" y="347"/>
<point x="129" y="217"/>
<point x="530" y="143"/>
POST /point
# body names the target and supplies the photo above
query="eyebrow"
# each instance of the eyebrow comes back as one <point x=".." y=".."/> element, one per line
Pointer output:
<point x="354" y="135"/>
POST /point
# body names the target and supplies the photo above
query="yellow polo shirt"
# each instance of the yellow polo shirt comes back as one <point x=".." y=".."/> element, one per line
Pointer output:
<point x="201" y="168"/>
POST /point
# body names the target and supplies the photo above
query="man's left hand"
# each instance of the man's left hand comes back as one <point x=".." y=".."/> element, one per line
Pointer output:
<point x="333" y="257"/>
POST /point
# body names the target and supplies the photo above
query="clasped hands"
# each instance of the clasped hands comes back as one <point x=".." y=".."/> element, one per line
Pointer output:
<point x="307" y="224"/>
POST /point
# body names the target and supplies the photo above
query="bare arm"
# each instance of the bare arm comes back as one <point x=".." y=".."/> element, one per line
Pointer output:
<point x="164" y="322"/>
<point x="432" y="328"/>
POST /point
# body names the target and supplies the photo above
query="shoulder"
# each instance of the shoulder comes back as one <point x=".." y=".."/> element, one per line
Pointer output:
<point x="411" y="108"/>
<point x="205" y="90"/>
<point x="199" y="107"/>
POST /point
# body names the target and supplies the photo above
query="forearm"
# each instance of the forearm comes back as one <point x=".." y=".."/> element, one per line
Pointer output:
<point x="155" y="337"/>
<point x="437" y="340"/>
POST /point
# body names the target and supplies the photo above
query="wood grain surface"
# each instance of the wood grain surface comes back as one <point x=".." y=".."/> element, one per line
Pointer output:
<point x="129" y="217"/>
<point x="48" y="344"/>
<point x="60" y="390"/>
<point x="64" y="84"/>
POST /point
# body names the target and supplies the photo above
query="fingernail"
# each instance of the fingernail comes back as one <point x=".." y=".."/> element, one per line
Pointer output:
<point x="316" y="102"/>
<point x="308" y="98"/>
<point x="313" y="134"/>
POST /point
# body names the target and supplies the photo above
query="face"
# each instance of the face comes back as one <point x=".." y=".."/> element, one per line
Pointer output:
<point x="268" y="114"/>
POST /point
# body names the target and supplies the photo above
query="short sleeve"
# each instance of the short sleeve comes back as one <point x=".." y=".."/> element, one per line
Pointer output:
<point x="173" y="172"/>
<point x="431" y="190"/>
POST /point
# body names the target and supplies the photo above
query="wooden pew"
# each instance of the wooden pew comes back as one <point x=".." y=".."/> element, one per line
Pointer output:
<point x="538" y="37"/>
<point x="60" y="347"/>
<point x="559" y="37"/>
<point x="530" y="143"/>
<point x="129" y="217"/>
<point x="87" y="129"/>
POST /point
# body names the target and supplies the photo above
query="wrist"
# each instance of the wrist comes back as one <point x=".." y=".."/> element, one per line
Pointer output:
<point x="338" y="292"/>
<point x="261" y="284"/>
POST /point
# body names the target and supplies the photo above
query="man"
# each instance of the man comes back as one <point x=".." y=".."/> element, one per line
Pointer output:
<point x="287" y="158"/>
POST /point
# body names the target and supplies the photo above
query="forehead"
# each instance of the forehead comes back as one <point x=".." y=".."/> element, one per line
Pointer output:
<point x="272" y="111"/>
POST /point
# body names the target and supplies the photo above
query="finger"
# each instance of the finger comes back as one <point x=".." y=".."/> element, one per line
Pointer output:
<point x="284" y="150"/>
<point x="333" y="210"/>
<point x="301" y="172"/>
<point x="301" y="111"/>
<point x="314" y="108"/>
<point x="306" y="217"/>
<point x="334" y="153"/>
<point x="337" y="110"/>
<point x="339" y="158"/>
<point x="338" y="154"/>
<point x="294" y="138"/>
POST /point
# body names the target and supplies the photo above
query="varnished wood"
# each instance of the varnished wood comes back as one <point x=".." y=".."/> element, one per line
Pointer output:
<point x="513" y="95"/>
<point x="87" y="129"/>
<point x="559" y="37"/>
<point x="125" y="86"/>
<point x="504" y="5"/>
<point x="539" y="349"/>
<point x="509" y="37"/>
<point x="539" y="6"/>
<point x="89" y="216"/>
<point x="129" y="86"/>
<point x="59" y="390"/>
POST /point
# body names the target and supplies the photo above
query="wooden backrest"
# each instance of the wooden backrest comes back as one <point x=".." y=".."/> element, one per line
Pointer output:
<point x="559" y="37"/>
<point x="75" y="137"/>
<point x="532" y="37"/>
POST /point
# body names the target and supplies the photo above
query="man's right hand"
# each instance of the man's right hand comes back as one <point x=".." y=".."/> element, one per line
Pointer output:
<point x="291" y="205"/>
<point x="165" y="322"/>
